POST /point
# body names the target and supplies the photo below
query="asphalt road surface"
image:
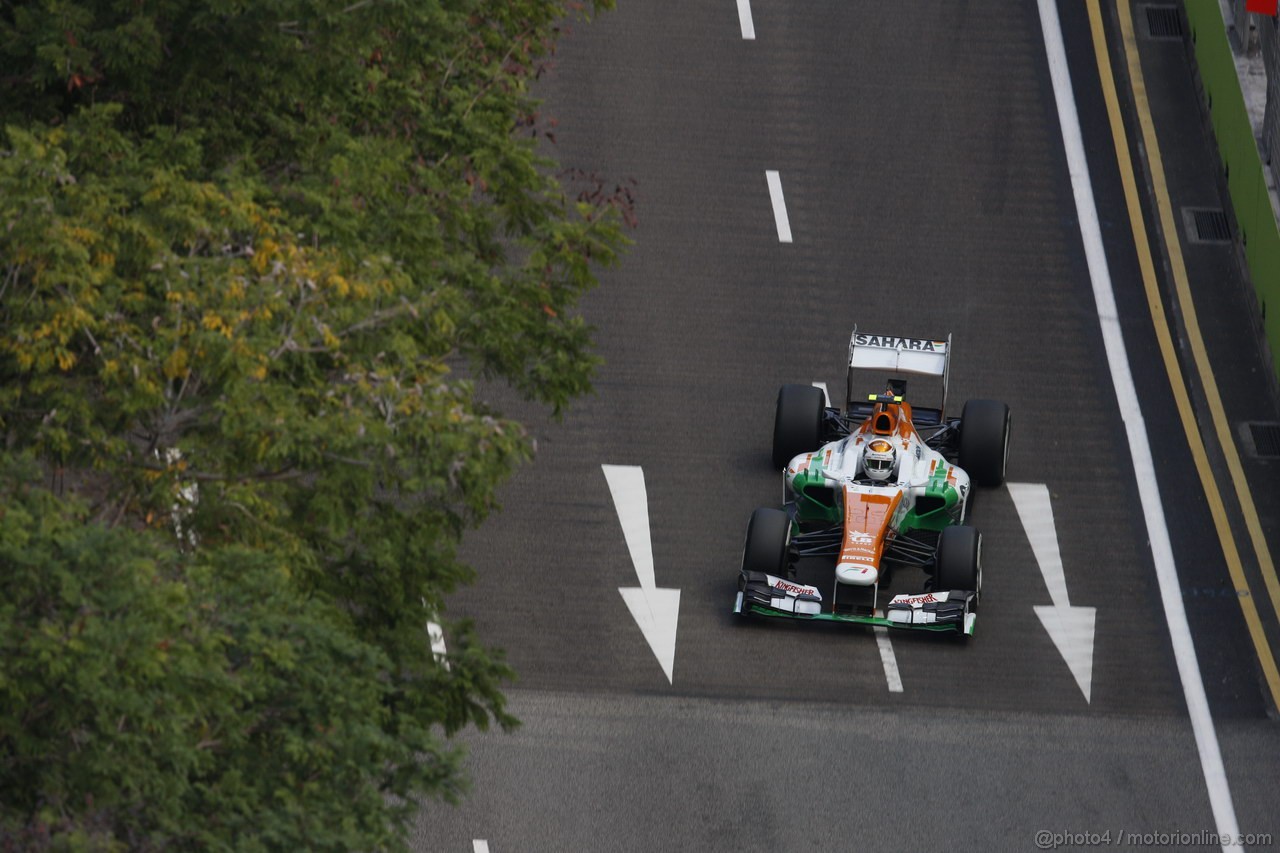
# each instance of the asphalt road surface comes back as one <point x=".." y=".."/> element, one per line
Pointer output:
<point x="926" y="189"/>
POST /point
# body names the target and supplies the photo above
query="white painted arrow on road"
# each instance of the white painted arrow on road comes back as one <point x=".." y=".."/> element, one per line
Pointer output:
<point x="655" y="610"/>
<point x="1070" y="628"/>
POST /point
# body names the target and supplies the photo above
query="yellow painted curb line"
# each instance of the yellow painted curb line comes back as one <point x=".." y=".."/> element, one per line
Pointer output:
<point x="1194" y="440"/>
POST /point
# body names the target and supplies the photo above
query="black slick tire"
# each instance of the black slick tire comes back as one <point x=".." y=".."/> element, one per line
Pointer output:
<point x="984" y="441"/>
<point x="768" y="536"/>
<point x="959" y="561"/>
<point x="797" y="422"/>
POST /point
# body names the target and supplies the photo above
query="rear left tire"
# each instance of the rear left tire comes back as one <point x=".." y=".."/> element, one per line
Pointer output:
<point x="797" y="422"/>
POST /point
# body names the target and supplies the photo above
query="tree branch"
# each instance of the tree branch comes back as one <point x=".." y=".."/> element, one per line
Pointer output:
<point x="377" y="318"/>
<point x="289" y="473"/>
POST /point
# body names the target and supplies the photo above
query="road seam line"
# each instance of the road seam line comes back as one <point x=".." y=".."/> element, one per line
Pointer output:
<point x="779" y="205"/>
<point x="1206" y="738"/>
<point x="1182" y="288"/>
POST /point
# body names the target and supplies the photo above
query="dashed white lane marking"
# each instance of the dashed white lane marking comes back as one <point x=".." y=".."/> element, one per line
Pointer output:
<point x="826" y="395"/>
<point x="744" y="18"/>
<point x="888" y="659"/>
<point x="479" y="845"/>
<point x="779" y="206"/>
<point x="186" y="499"/>
<point x="1175" y="613"/>
<point x="436" y="633"/>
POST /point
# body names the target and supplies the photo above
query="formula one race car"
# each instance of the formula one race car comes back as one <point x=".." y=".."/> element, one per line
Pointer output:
<point x="887" y="488"/>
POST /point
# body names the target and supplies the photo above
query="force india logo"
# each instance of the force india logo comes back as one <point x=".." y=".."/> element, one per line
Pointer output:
<point x="891" y="342"/>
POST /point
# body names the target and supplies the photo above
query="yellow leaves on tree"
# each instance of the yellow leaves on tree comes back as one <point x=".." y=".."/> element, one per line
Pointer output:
<point x="175" y="366"/>
<point x="158" y="285"/>
<point x="214" y="323"/>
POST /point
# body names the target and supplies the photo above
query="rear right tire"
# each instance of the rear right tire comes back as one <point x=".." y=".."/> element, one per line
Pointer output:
<point x="984" y="441"/>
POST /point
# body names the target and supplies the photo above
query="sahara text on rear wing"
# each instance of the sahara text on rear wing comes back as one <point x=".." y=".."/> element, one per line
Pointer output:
<point x="896" y="355"/>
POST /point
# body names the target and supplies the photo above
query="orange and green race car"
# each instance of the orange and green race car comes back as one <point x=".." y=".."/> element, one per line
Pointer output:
<point x="878" y="487"/>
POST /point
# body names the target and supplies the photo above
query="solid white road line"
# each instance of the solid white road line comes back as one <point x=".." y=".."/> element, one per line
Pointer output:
<point x="744" y="18"/>
<point x="1215" y="775"/>
<point x="779" y="206"/>
<point x="479" y="845"/>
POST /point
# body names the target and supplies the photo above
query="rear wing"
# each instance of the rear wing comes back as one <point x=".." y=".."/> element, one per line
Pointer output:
<point x="897" y="355"/>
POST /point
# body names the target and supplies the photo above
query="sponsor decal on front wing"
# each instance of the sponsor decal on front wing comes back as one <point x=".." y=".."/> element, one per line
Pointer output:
<point x="920" y="600"/>
<point x="788" y="588"/>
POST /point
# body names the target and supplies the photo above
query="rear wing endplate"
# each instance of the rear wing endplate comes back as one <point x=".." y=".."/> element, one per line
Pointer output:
<point x="894" y="354"/>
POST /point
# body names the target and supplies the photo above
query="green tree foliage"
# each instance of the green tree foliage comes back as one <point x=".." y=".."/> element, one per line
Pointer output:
<point x="249" y="253"/>
<point x="152" y="700"/>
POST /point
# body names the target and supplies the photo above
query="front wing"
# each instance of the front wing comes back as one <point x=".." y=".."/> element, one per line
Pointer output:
<point x="762" y="594"/>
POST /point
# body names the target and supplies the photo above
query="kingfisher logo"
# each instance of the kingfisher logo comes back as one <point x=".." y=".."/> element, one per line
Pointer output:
<point x="859" y="537"/>
<point x="920" y="600"/>
<point x="794" y="589"/>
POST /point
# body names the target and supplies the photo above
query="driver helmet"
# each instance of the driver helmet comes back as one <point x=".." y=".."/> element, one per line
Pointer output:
<point x="878" y="459"/>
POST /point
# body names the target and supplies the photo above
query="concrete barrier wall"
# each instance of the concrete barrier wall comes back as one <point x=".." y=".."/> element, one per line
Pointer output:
<point x="1241" y="161"/>
<point x="1269" y="39"/>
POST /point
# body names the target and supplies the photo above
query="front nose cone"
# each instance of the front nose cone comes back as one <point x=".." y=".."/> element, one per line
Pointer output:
<point x="857" y="574"/>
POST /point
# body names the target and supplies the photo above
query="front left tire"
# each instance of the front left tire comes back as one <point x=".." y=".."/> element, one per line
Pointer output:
<point x="768" y="537"/>
<point x="958" y="561"/>
<point x="768" y="540"/>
